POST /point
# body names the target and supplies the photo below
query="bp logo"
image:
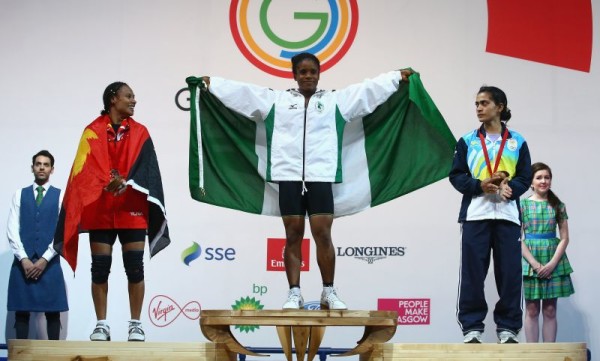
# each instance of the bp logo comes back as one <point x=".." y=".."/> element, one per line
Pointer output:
<point x="247" y="303"/>
<point x="263" y="31"/>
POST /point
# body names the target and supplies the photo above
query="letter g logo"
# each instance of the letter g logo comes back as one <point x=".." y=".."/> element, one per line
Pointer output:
<point x="262" y="31"/>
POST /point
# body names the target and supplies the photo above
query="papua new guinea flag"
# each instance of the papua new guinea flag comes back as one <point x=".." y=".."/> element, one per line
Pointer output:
<point x="89" y="175"/>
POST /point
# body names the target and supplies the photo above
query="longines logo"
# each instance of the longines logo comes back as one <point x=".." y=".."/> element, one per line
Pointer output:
<point x="371" y="254"/>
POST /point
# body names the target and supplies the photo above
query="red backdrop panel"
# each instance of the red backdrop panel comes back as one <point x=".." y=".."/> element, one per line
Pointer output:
<point x="555" y="32"/>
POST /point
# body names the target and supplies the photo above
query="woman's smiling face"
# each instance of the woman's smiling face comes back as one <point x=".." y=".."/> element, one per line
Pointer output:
<point x="307" y="76"/>
<point x="124" y="101"/>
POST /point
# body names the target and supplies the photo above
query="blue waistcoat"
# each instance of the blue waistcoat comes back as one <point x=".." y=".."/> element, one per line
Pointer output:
<point x="38" y="223"/>
<point x="37" y="226"/>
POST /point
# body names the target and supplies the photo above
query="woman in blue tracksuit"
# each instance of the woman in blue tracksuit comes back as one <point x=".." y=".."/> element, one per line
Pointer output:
<point x="492" y="169"/>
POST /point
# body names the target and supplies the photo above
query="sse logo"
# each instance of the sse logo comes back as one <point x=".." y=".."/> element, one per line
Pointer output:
<point x="209" y="254"/>
<point x="264" y="33"/>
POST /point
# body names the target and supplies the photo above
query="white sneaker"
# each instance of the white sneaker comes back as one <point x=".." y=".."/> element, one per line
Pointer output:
<point x="507" y="337"/>
<point x="331" y="301"/>
<point x="473" y="337"/>
<point x="101" y="333"/>
<point x="294" y="300"/>
<point x="136" y="333"/>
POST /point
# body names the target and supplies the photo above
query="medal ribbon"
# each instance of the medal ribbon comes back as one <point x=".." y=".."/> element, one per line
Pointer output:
<point x="498" y="156"/>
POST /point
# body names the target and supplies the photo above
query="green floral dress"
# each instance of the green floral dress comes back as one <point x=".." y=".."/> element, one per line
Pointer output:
<point x="539" y="226"/>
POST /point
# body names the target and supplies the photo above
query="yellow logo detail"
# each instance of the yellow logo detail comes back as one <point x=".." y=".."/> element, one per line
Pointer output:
<point x="83" y="151"/>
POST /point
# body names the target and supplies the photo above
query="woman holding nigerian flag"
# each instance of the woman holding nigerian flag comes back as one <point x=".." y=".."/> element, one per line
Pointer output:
<point x="304" y="133"/>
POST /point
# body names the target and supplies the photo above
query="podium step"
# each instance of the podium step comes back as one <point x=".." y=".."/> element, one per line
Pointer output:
<point x="34" y="350"/>
<point x="479" y="352"/>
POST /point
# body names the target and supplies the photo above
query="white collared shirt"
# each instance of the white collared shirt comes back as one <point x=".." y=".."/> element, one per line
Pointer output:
<point x="14" y="225"/>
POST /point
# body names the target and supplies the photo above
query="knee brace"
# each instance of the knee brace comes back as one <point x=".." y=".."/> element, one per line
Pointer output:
<point x="133" y="261"/>
<point x="101" y="268"/>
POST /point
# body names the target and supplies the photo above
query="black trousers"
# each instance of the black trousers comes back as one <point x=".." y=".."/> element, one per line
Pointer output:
<point x="52" y="321"/>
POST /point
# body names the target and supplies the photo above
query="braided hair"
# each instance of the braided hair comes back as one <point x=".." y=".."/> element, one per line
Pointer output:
<point x="109" y="93"/>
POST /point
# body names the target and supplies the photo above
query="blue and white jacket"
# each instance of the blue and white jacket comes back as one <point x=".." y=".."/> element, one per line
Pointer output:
<point x="469" y="168"/>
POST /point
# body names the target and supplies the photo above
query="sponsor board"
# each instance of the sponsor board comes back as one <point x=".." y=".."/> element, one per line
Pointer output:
<point x="411" y="311"/>
<point x="164" y="310"/>
<point x="372" y="253"/>
<point x="275" y="250"/>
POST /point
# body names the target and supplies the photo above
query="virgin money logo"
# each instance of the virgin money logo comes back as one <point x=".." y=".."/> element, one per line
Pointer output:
<point x="163" y="310"/>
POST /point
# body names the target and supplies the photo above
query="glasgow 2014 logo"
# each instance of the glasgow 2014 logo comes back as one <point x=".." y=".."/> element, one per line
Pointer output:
<point x="262" y="31"/>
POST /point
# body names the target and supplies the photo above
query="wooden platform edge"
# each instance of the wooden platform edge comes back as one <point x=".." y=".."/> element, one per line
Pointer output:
<point x="480" y="352"/>
<point x="33" y="350"/>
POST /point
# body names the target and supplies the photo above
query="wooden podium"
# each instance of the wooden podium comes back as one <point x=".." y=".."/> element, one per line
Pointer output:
<point x="306" y="327"/>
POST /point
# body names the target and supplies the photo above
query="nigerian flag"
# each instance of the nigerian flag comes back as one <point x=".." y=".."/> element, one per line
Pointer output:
<point x="404" y="145"/>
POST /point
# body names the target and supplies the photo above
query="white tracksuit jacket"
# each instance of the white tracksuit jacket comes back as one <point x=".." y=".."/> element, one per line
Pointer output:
<point x="305" y="144"/>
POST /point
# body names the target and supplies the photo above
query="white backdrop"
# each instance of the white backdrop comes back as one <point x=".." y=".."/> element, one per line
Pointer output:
<point x="58" y="56"/>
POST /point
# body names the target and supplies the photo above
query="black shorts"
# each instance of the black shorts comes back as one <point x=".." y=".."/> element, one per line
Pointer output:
<point x="109" y="236"/>
<point x="317" y="198"/>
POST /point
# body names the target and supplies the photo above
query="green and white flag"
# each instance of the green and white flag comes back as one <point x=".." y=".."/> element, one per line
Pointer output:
<point x="404" y="145"/>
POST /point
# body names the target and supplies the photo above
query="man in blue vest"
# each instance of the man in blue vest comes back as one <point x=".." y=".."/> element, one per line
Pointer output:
<point x="36" y="282"/>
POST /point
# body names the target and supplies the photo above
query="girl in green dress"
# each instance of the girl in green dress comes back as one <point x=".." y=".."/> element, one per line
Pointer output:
<point x="546" y="268"/>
